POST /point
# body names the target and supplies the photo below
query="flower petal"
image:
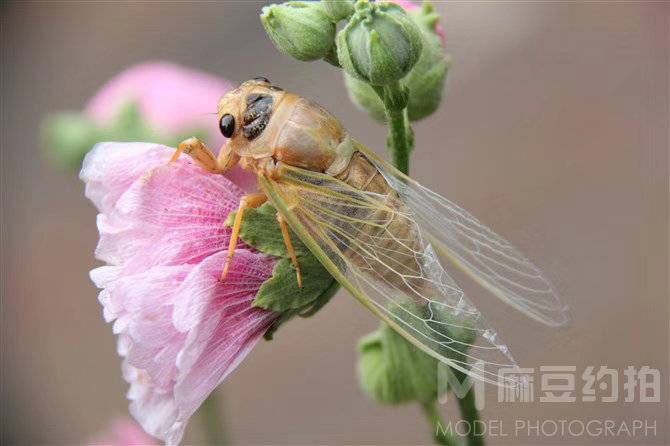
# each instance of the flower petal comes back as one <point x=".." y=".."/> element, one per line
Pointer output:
<point x="161" y="213"/>
<point x="182" y="331"/>
<point x="177" y="213"/>
<point x="111" y="167"/>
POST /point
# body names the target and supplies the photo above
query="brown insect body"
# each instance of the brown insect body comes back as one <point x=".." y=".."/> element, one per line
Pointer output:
<point x="301" y="133"/>
<point x="394" y="239"/>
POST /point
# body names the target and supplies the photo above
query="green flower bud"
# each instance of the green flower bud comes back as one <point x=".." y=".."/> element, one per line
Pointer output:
<point x="338" y="9"/>
<point x="302" y="30"/>
<point x="380" y="43"/>
<point x="425" y="81"/>
<point x="393" y="371"/>
<point x="67" y="137"/>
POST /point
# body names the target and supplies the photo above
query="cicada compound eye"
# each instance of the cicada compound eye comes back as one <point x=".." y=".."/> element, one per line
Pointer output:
<point x="227" y="125"/>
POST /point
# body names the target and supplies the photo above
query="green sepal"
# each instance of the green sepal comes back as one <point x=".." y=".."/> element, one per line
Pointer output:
<point x="280" y="293"/>
<point x="305" y="312"/>
<point x="261" y="230"/>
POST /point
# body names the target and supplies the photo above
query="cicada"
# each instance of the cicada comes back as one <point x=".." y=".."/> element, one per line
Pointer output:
<point x="382" y="236"/>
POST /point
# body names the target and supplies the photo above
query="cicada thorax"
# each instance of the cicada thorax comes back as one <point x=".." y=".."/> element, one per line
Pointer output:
<point x="388" y="232"/>
<point x="287" y="128"/>
<point x="307" y="136"/>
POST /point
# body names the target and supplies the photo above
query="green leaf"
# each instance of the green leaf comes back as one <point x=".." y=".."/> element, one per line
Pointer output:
<point x="281" y="292"/>
<point x="305" y="312"/>
<point x="261" y="230"/>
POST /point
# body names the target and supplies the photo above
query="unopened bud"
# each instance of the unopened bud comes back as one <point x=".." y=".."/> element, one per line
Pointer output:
<point x="302" y="30"/>
<point x="380" y="43"/>
<point x="338" y="9"/>
<point x="426" y="79"/>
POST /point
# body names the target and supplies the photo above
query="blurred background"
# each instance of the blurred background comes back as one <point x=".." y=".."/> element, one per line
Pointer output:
<point x="553" y="130"/>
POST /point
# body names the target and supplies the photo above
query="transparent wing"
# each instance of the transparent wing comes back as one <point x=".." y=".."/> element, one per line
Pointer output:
<point x="373" y="245"/>
<point x="485" y="256"/>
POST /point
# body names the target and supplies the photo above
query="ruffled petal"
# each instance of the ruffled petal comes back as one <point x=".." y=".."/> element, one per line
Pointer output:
<point x="182" y="331"/>
<point x="155" y="213"/>
<point x="111" y="167"/>
<point x="228" y="328"/>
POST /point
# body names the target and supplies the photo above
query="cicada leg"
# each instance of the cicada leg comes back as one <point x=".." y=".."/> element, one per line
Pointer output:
<point x="246" y="202"/>
<point x="204" y="157"/>
<point x="289" y="247"/>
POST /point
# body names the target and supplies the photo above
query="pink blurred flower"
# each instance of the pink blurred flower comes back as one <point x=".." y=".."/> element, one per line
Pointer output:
<point x="173" y="102"/>
<point x="172" y="98"/>
<point x="180" y="330"/>
<point x="122" y="432"/>
<point x="410" y="6"/>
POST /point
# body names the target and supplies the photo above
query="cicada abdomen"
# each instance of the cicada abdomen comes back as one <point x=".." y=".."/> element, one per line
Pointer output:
<point x="386" y="232"/>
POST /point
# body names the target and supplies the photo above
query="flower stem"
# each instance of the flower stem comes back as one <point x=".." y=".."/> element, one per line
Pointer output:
<point x="401" y="143"/>
<point x="440" y="433"/>
<point x="398" y="134"/>
<point x="469" y="412"/>
<point x="212" y="421"/>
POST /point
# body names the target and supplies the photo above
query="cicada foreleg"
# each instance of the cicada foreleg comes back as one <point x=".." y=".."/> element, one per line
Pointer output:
<point x="289" y="247"/>
<point x="246" y="202"/>
<point x="204" y="157"/>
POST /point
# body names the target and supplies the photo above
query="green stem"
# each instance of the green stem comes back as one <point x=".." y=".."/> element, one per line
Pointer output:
<point x="399" y="140"/>
<point x="440" y="433"/>
<point x="469" y="412"/>
<point x="212" y="421"/>
<point x="401" y="143"/>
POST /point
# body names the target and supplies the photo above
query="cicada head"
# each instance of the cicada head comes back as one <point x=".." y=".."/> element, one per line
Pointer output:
<point x="263" y="121"/>
<point x="244" y="115"/>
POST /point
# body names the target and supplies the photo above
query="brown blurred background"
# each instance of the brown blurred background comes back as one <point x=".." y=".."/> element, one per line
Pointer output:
<point x="553" y="130"/>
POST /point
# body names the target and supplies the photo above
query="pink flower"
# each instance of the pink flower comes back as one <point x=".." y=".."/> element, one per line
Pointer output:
<point x="173" y="99"/>
<point x="122" y="432"/>
<point x="410" y="6"/>
<point x="180" y="330"/>
<point x="174" y="102"/>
